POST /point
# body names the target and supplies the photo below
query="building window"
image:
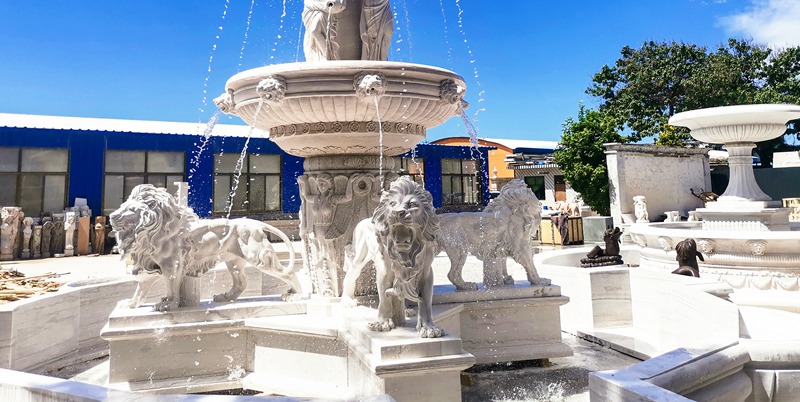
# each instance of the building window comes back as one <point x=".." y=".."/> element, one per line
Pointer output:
<point x="411" y="167"/>
<point x="259" y="187"/>
<point x="460" y="182"/>
<point x="125" y="170"/>
<point x="536" y="184"/>
<point x="34" y="179"/>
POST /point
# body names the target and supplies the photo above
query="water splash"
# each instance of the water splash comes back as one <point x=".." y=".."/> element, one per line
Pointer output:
<point x="246" y="34"/>
<point x="416" y="163"/>
<point x="446" y="35"/>
<point x="408" y="32"/>
<point x="471" y="57"/>
<point x="202" y="108"/>
<point x="553" y="392"/>
<point x="475" y="153"/>
<point x="380" y="142"/>
<point x="198" y="152"/>
<point x="237" y="170"/>
<point x="279" y="35"/>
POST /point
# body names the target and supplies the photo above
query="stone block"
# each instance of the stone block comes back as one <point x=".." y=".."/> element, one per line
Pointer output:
<point x="84" y="227"/>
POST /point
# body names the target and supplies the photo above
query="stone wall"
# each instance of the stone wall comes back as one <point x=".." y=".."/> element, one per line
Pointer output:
<point x="664" y="175"/>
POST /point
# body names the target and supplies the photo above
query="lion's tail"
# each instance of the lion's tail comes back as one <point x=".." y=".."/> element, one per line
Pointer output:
<point x="290" y="268"/>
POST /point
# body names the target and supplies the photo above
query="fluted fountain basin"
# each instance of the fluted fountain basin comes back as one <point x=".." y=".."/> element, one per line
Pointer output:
<point x="748" y="259"/>
<point x="317" y="108"/>
<point x="741" y="123"/>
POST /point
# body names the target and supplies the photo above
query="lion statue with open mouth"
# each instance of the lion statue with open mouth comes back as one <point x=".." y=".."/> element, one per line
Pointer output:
<point x="165" y="239"/>
<point x="400" y="240"/>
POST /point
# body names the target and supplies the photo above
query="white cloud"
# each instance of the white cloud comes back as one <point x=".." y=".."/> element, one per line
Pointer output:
<point x="772" y="22"/>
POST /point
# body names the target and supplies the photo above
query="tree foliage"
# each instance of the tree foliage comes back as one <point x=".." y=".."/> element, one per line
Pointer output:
<point x="646" y="86"/>
<point x="581" y="155"/>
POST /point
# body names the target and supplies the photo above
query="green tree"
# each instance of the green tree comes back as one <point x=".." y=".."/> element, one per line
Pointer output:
<point x="581" y="155"/>
<point x="646" y="86"/>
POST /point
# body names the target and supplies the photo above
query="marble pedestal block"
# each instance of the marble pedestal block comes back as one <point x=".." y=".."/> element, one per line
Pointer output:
<point x="505" y="324"/>
<point x="82" y="247"/>
<point x="303" y="349"/>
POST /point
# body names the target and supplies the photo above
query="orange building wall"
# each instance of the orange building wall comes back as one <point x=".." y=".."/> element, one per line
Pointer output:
<point x="496" y="157"/>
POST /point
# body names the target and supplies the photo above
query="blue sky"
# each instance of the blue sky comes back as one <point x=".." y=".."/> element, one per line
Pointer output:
<point x="526" y="63"/>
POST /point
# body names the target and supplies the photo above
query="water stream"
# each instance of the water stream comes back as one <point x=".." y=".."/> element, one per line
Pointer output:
<point x="237" y="171"/>
<point x="246" y="34"/>
<point x="202" y="108"/>
<point x="195" y="162"/>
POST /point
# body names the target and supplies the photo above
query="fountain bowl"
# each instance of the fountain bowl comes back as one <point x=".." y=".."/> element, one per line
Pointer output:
<point x="308" y="104"/>
<point x="741" y="123"/>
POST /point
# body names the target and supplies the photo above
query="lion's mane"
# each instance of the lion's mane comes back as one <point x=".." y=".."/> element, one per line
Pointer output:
<point x="520" y="200"/>
<point x="407" y="269"/>
<point x="153" y="224"/>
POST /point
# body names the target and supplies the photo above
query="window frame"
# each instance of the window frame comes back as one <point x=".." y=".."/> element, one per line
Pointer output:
<point x="461" y="179"/>
<point x="245" y="178"/>
<point x="19" y="174"/>
<point x="145" y="174"/>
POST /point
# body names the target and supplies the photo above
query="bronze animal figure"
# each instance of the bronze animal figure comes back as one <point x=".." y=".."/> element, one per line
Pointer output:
<point x="687" y="256"/>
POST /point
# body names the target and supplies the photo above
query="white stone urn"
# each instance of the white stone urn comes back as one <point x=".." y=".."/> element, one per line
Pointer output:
<point x="738" y="128"/>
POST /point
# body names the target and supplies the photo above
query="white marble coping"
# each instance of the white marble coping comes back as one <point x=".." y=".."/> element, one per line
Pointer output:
<point x="683" y="231"/>
<point x="444" y="294"/>
<point x="208" y="311"/>
<point x="325" y="327"/>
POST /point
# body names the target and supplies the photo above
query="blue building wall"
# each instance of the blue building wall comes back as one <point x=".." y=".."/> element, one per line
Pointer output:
<point x="87" y="152"/>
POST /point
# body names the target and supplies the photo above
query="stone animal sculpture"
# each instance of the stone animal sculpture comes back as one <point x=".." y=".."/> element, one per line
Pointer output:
<point x="503" y="229"/>
<point x="568" y="208"/>
<point x="400" y="240"/>
<point x="319" y="19"/>
<point x="164" y="239"/>
<point x="687" y="256"/>
<point x="599" y="257"/>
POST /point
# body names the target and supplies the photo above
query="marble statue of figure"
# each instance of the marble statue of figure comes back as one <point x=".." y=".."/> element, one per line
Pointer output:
<point x="167" y="240"/>
<point x="640" y="209"/>
<point x="69" y="234"/>
<point x="377" y="27"/>
<point x="36" y="242"/>
<point x="332" y="208"/>
<point x="27" y="232"/>
<point x="47" y="238"/>
<point x="57" y="242"/>
<point x="400" y="239"/>
<point x="10" y="219"/>
<point x="502" y="230"/>
<point x="100" y="233"/>
<point x="319" y="19"/>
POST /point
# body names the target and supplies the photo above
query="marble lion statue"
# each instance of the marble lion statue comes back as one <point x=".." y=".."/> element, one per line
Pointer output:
<point x="400" y="240"/>
<point x="164" y="239"/>
<point x="503" y="229"/>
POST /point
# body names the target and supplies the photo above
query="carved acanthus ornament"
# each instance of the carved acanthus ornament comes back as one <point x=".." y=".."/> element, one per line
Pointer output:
<point x="450" y="92"/>
<point x="706" y="246"/>
<point x="225" y="103"/>
<point x="665" y="243"/>
<point x="272" y="89"/>
<point x="369" y="86"/>
<point x="757" y="247"/>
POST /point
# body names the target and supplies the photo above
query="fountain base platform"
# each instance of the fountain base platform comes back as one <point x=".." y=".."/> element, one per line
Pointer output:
<point x="759" y="216"/>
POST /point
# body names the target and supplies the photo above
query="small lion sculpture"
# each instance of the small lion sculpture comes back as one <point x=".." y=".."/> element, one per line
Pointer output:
<point x="502" y="230"/>
<point x="400" y="239"/>
<point x="165" y="239"/>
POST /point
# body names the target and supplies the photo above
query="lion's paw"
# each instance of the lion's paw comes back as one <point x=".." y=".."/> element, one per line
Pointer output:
<point x="508" y="280"/>
<point x="430" y="331"/>
<point x="347" y="302"/>
<point x="381" y="325"/>
<point x="467" y="286"/>
<point x="166" y="305"/>
<point x="411" y="312"/>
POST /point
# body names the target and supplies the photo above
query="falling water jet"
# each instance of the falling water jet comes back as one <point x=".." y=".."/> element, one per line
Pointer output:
<point x="237" y="171"/>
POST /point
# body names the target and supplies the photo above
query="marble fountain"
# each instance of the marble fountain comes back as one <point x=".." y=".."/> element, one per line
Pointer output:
<point x="732" y="333"/>
<point x="345" y="110"/>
